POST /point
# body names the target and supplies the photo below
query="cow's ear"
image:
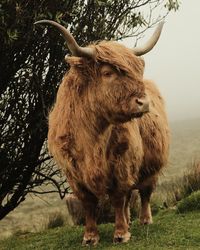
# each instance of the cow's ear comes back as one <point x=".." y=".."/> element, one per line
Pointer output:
<point x="142" y="61"/>
<point x="142" y="65"/>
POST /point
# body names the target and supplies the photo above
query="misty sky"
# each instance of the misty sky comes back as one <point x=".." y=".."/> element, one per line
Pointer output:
<point x="174" y="64"/>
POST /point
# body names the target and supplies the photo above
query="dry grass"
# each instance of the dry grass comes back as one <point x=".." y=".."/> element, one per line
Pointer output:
<point x="171" y="192"/>
<point x="55" y="219"/>
<point x="32" y="215"/>
<point x="191" y="179"/>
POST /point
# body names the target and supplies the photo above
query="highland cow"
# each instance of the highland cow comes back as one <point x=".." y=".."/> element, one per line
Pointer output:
<point x="108" y="130"/>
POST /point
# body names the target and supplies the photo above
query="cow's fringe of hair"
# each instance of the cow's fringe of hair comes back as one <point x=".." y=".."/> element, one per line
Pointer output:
<point x="120" y="56"/>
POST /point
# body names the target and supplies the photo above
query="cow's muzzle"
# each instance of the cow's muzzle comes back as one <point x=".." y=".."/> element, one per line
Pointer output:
<point x="142" y="106"/>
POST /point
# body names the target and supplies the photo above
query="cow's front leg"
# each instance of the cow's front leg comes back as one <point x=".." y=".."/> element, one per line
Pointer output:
<point x="121" y="233"/>
<point x="91" y="235"/>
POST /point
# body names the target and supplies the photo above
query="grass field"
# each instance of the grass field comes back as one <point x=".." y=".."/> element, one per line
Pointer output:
<point x="169" y="231"/>
<point x="33" y="213"/>
<point x="185" y="146"/>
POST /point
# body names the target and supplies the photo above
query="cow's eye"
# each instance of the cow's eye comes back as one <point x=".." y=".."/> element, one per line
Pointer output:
<point x="107" y="73"/>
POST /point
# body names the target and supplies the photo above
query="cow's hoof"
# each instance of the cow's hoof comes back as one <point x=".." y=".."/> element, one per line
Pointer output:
<point x="90" y="240"/>
<point x="121" y="238"/>
<point x="146" y="220"/>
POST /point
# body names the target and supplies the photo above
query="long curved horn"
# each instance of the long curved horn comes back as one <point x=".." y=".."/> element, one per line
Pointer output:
<point x="139" y="51"/>
<point x="75" y="49"/>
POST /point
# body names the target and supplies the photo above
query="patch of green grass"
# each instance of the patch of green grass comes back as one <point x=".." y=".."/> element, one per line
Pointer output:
<point x="190" y="203"/>
<point x="169" y="231"/>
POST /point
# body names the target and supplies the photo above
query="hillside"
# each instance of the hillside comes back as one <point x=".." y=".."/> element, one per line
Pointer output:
<point x="185" y="146"/>
<point x="170" y="231"/>
<point x="33" y="213"/>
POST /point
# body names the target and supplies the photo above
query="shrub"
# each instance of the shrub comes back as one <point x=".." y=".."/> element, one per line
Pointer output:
<point x="181" y="187"/>
<point x="191" y="179"/>
<point x="190" y="203"/>
<point x="54" y="220"/>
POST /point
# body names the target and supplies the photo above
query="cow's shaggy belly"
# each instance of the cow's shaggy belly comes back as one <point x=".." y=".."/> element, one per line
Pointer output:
<point x="117" y="174"/>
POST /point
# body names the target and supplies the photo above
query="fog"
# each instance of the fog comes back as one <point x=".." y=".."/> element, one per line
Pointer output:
<point x="174" y="64"/>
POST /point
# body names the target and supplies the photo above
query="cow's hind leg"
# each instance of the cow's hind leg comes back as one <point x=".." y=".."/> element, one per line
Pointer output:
<point x="91" y="235"/>
<point x="121" y="233"/>
<point x="145" y="211"/>
<point x="127" y="208"/>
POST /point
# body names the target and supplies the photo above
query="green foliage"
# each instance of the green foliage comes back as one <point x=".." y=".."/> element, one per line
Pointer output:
<point x="172" y="5"/>
<point x="190" y="203"/>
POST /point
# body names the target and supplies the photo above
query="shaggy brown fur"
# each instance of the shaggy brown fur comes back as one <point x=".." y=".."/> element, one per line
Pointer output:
<point x="95" y="139"/>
